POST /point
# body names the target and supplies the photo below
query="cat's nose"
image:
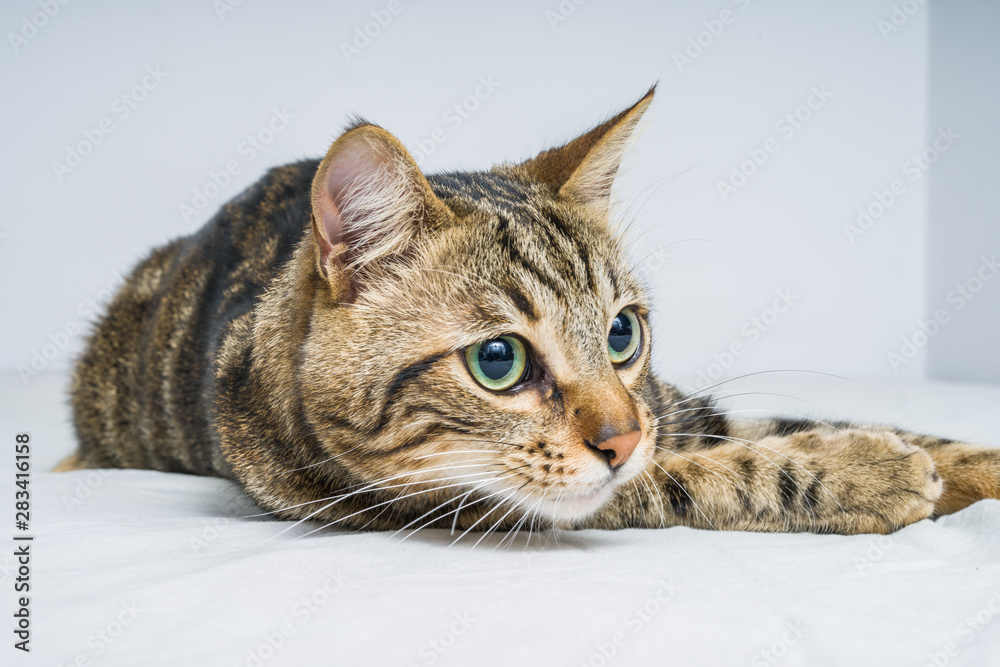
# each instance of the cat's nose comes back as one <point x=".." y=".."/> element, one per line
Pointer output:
<point x="617" y="447"/>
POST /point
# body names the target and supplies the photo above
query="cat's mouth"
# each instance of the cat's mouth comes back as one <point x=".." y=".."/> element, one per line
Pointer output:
<point x="568" y="506"/>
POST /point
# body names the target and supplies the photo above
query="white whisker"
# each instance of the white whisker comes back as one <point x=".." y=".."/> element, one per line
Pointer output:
<point x="681" y="487"/>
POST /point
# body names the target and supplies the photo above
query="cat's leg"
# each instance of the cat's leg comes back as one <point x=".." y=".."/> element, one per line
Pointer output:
<point x="969" y="472"/>
<point x="822" y="480"/>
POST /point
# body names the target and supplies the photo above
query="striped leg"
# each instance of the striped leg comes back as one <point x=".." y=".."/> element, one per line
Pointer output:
<point x="820" y="480"/>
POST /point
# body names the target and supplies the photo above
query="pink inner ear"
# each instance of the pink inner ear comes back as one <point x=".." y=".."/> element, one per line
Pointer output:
<point x="329" y="227"/>
<point x="367" y="201"/>
<point x="354" y="164"/>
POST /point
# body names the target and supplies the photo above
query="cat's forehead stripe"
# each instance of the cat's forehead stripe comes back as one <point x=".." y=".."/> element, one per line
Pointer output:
<point x="494" y="190"/>
<point x="522" y="218"/>
<point x="521" y="302"/>
<point x="514" y="243"/>
<point x="580" y="250"/>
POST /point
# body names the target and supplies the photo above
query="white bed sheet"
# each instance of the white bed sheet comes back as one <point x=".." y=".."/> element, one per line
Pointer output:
<point x="146" y="568"/>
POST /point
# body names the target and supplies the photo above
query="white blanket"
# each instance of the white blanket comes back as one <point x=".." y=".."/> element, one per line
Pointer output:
<point x="146" y="568"/>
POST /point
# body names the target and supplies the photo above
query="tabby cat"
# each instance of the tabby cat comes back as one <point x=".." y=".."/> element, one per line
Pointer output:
<point x="366" y="346"/>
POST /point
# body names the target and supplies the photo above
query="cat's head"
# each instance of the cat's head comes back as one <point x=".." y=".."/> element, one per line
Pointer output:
<point x="479" y="332"/>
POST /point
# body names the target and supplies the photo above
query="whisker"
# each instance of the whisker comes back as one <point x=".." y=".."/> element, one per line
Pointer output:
<point x="555" y="532"/>
<point x="386" y="502"/>
<point x="327" y="460"/>
<point x="681" y="487"/>
<point x="337" y="499"/>
<point x="653" y="495"/>
<point x="694" y="419"/>
<point x="791" y="414"/>
<point x="458" y="451"/>
<point x="741" y="442"/>
<point x="450" y="500"/>
<point x="454" y="511"/>
<point x="454" y="521"/>
<point x="714" y="472"/>
<point x="655" y="184"/>
<point x="498" y="506"/>
<point x="367" y="486"/>
<point x="638" y="493"/>
<point x="621" y="231"/>
<point x="517" y="504"/>
<point x="721" y="476"/>
<point x="746" y="375"/>
<point x="712" y="400"/>
<point x="480" y="519"/>
<point x="531" y="526"/>
<point x="525" y="518"/>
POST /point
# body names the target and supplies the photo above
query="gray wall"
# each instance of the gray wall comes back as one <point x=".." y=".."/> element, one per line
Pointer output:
<point x="964" y="218"/>
<point x="772" y="270"/>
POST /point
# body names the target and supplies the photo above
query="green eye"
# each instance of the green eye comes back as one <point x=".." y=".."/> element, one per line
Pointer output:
<point x="623" y="339"/>
<point x="498" y="363"/>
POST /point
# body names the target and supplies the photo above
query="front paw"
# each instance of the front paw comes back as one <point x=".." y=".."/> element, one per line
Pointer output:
<point x="872" y="481"/>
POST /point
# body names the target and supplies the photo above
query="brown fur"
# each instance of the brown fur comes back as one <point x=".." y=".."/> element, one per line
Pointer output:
<point x="309" y="343"/>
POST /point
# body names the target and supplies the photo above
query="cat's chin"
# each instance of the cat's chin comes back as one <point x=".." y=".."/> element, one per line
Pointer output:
<point x="569" y="509"/>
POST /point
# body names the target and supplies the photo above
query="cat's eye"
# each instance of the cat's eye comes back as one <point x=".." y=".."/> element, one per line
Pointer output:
<point x="624" y="336"/>
<point x="498" y="363"/>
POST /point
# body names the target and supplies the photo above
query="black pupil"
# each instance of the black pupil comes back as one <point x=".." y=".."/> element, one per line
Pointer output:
<point x="496" y="358"/>
<point x="621" y="333"/>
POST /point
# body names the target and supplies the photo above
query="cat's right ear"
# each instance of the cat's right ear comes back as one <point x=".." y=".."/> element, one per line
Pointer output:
<point x="370" y="202"/>
<point x="583" y="170"/>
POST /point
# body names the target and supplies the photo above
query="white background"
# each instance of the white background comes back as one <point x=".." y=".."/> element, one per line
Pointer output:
<point x="64" y="239"/>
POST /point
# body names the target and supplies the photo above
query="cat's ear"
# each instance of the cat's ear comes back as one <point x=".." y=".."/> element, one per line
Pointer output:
<point x="369" y="202"/>
<point x="584" y="169"/>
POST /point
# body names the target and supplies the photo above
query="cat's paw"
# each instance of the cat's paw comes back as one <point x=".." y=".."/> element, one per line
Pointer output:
<point x="970" y="473"/>
<point x="874" y="481"/>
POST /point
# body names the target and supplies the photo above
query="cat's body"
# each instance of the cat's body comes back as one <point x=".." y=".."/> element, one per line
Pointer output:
<point x="312" y="343"/>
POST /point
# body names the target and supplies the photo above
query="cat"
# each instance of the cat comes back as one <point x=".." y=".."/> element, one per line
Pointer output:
<point x="361" y="345"/>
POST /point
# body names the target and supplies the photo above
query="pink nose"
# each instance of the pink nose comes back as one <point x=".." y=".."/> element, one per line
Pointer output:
<point x="619" y="448"/>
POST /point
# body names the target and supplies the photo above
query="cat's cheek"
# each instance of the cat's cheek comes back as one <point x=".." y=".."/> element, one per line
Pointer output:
<point x="633" y="375"/>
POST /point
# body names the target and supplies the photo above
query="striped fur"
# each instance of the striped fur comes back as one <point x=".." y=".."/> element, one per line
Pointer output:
<point x="308" y="344"/>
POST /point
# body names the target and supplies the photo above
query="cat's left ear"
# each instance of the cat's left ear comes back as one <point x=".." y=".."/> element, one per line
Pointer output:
<point x="584" y="169"/>
<point x="370" y="204"/>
